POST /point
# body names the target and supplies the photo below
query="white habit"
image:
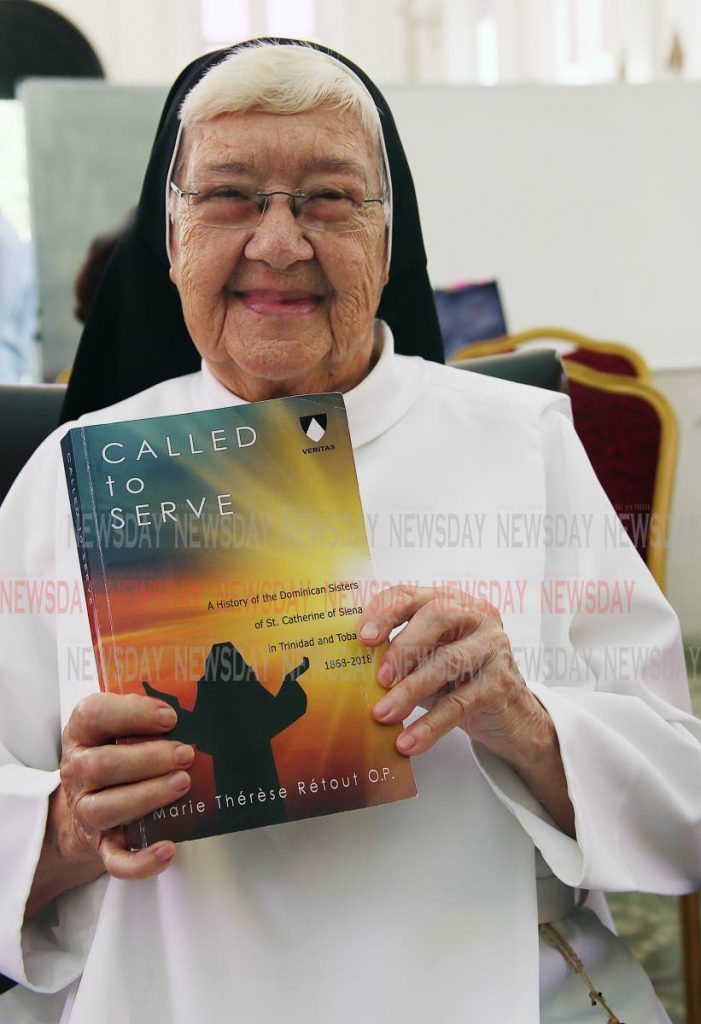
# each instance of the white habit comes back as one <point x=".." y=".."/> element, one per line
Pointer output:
<point x="424" y="910"/>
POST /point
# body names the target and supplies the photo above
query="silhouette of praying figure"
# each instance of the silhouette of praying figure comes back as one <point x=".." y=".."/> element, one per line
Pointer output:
<point x="234" y="719"/>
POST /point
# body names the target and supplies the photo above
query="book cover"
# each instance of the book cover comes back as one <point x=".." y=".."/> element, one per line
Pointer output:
<point x="225" y="562"/>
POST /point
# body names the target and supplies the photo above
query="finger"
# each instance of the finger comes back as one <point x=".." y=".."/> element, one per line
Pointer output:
<point x="99" y="812"/>
<point x="104" y="716"/>
<point x="457" y="662"/>
<point x="454" y="709"/>
<point x="390" y="609"/>
<point x="438" y="622"/>
<point x="112" y="764"/>
<point x="131" y="864"/>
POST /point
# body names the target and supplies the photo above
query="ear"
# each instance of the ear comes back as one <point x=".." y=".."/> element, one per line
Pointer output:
<point x="174" y="246"/>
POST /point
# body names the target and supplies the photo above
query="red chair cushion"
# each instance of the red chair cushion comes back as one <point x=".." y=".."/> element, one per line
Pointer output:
<point x="621" y="435"/>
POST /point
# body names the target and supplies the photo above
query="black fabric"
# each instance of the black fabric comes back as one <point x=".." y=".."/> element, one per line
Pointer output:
<point x="37" y="41"/>
<point x="136" y="336"/>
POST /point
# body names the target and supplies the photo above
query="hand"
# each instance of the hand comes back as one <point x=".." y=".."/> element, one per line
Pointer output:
<point x="454" y="659"/>
<point x="105" y="785"/>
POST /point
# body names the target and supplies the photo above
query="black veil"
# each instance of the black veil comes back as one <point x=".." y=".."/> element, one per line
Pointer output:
<point x="135" y="335"/>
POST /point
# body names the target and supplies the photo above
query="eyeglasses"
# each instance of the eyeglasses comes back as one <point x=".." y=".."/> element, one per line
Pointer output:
<point x="223" y="205"/>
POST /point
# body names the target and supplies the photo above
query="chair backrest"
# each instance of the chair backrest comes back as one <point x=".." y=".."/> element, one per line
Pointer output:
<point x="629" y="431"/>
<point x="28" y="414"/>
<point x="604" y="356"/>
<point x="540" y="368"/>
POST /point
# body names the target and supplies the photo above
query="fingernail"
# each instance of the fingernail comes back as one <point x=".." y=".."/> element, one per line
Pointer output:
<point x="184" y="755"/>
<point x="369" y="631"/>
<point x="384" y="708"/>
<point x="164" y="853"/>
<point x="406" y="743"/>
<point x="179" y="781"/>
<point x="166" y="717"/>
<point x="386" y="674"/>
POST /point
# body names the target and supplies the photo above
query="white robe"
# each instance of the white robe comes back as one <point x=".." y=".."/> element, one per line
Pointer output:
<point x="415" y="911"/>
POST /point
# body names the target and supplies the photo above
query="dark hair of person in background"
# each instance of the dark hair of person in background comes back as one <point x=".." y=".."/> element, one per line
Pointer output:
<point x="93" y="268"/>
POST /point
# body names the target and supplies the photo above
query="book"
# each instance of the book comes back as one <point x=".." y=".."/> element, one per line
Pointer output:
<point x="225" y="564"/>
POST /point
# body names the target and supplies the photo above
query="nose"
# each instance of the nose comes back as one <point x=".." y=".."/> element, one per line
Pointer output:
<point x="278" y="239"/>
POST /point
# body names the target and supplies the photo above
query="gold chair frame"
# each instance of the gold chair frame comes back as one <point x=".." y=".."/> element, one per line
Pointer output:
<point x="511" y="341"/>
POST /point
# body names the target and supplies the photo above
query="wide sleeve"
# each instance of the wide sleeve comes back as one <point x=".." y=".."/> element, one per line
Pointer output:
<point x="609" y="669"/>
<point x="40" y="600"/>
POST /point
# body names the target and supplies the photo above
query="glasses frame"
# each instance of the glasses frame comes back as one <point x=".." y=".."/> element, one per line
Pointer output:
<point x="296" y="200"/>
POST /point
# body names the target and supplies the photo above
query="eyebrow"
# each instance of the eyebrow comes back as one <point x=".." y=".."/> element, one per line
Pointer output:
<point x="337" y="164"/>
<point x="328" y="165"/>
<point x="230" y="167"/>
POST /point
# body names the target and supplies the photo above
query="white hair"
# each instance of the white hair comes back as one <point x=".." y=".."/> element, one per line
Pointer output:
<point x="282" y="79"/>
<point x="279" y="80"/>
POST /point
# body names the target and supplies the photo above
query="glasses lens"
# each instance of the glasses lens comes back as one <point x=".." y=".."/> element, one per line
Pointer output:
<point x="331" y="209"/>
<point x="225" y="205"/>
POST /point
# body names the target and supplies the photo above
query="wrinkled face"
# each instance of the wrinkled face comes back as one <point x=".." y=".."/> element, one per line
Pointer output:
<point x="278" y="302"/>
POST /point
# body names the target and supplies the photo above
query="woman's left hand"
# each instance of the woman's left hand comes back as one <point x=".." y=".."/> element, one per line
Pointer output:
<point x="454" y="659"/>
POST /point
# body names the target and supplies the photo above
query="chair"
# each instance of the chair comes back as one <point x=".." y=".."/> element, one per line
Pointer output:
<point x="604" y="356"/>
<point x="629" y="430"/>
<point x="541" y="368"/>
<point x="28" y="414"/>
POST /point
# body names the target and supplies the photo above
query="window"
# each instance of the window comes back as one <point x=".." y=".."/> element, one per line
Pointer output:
<point x="586" y="51"/>
<point x="487" y="50"/>
<point x="224" y="21"/>
<point x="292" y="18"/>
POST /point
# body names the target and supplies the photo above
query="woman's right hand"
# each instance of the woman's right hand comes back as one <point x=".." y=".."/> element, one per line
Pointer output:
<point x="105" y="785"/>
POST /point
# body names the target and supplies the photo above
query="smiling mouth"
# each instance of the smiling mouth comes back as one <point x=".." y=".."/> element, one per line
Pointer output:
<point x="274" y="302"/>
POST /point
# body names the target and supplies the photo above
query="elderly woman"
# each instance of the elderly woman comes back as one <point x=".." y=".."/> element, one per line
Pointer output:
<point x="290" y="220"/>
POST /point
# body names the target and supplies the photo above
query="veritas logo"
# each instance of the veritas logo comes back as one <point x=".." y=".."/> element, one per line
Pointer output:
<point x="315" y="427"/>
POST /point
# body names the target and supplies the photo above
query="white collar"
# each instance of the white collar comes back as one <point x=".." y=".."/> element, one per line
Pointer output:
<point x="375" y="405"/>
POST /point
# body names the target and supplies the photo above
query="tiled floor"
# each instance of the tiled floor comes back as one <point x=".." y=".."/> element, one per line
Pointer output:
<point x="650" y="924"/>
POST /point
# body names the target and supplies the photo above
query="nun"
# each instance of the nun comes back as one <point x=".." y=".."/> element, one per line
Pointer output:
<point x="277" y="250"/>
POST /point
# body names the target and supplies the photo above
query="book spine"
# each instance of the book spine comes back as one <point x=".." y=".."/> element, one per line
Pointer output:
<point x="82" y="501"/>
<point x="92" y="571"/>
